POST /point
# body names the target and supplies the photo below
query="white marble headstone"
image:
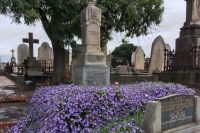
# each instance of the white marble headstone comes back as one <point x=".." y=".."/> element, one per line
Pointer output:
<point x="138" y="59"/>
<point x="22" y="53"/>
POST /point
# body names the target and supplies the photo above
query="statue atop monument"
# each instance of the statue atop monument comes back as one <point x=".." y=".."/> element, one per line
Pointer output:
<point x="195" y="12"/>
<point x="91" y="14"/>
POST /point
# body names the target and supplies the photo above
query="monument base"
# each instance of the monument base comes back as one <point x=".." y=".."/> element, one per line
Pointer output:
<point x="91" y="75"/>
<point x="33" y="67"/>
<point x="188" y="38"/>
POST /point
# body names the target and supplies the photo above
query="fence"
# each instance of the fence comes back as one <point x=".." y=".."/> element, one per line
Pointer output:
<point x="47" y="68"/>
<point x="184" y="60"/>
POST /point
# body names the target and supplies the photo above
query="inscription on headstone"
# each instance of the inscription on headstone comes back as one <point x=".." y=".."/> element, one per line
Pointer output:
<point x="176" y="111"/>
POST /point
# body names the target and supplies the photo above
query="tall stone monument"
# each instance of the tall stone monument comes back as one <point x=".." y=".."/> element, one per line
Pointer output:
<point x="22" y="53"/>
<point x="91" y="65"/>
<point x="190" y="32"/>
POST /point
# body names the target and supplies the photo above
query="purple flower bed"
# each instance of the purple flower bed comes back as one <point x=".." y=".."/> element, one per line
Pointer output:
<point x="70" y="108"/>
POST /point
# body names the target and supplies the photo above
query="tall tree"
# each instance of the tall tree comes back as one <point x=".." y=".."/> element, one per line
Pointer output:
<point x="60" y="19"/>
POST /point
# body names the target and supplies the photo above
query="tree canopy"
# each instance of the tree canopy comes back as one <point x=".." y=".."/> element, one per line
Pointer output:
<point x="125" y="50"/>
<point x="61" y="19"/>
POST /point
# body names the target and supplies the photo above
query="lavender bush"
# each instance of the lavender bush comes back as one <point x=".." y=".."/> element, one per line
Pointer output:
<point x="70" y="108"/>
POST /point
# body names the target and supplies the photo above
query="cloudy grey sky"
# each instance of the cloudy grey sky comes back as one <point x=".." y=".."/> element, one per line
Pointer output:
<point x="173" y="19"/>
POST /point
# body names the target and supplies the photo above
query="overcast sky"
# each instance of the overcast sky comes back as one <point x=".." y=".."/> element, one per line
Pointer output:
<point x="173" y="19"/>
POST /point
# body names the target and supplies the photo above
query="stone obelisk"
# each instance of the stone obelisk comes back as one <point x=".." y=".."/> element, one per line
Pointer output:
<point x="91" y="68"/>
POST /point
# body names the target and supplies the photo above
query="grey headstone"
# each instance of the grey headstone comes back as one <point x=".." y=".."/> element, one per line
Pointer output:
<point x="138" y="59"/>
<point x="22" y="53"/>
<point x="45" y="52"/>
<point x="2" y="66"/>
<point x="157" y="55"/>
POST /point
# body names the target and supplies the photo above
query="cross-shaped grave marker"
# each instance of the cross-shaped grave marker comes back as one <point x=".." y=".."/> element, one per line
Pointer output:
<point x="31" y="41"/>
<point x="12" y="52"/>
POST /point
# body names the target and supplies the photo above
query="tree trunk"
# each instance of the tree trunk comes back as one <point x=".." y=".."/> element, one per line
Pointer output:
<point x="59" y="62"/>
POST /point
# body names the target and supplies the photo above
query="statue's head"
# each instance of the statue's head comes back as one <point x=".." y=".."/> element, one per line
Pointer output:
<point x="91" y="2"/>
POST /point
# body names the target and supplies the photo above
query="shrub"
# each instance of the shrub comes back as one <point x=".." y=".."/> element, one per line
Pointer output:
<point x="70" y="108"/>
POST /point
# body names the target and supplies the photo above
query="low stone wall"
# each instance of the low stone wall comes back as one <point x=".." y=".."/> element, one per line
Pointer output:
<point x="131" y="78"/>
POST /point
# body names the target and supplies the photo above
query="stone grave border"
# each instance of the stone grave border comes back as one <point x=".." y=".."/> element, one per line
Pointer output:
<point x="152" y="117"/>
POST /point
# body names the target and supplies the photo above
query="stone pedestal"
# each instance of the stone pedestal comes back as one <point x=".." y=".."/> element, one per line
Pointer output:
<point x="33" y="67"/>
<point x="188" y="38"/>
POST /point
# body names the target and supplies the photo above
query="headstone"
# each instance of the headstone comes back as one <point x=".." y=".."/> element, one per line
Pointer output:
<point x="32" y="65"/>
<point x="138" y="59"/>
<point x="169" y="113"/>
<point x="122" y="69"/>
<point x="45" y="52"/>
<point x="91" y="65"/>
<point x="157" y="55"/>
<point x="116" y="61"/>
<point x="2" y="66"/>
<point x="22" y="53"/>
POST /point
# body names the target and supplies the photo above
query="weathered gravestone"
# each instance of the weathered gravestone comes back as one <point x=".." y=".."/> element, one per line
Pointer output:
<point x="173" y="114"/>
<point x="137" y="59"/>
<point x="45" y="52"/>
<point x="32" y="65"/>
<point x="91" y="65"/>
<point x="45" y="57"/>
<point x="157" y="55"/>
<point x="22" y="53"/>
<point x="2" y="66"/>
<point x="122" y="69"/>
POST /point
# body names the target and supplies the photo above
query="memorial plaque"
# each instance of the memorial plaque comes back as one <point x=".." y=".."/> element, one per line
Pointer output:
<point x="177" y="110"/>
<point x="96" y="77"/>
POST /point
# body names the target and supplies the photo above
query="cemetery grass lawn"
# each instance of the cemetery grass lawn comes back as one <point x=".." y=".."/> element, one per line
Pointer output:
<point x="71" y="108"/>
